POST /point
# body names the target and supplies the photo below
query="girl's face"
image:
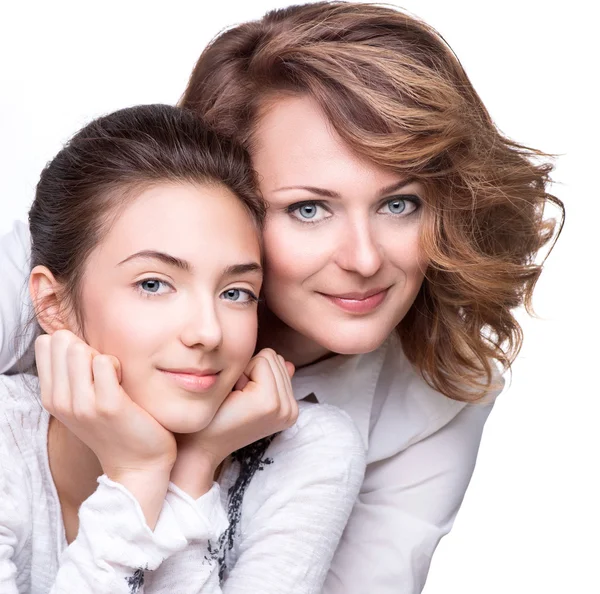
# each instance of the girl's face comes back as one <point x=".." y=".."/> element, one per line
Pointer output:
<point x="343" y="263"/>
<point x="171" y="292"/>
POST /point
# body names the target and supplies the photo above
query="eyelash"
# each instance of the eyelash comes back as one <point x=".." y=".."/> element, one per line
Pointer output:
<point x="252" y="298"/>
<point x="293" y="208"/>
<point x="150" y="295"/>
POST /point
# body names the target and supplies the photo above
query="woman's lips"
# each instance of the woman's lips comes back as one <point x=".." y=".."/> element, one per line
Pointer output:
<point x="353" y="303"/>
<point x="192" y="382"/>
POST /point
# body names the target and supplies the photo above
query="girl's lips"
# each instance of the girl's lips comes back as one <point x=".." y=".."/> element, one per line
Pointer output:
<point x="192" y="382"/>
<point x="358" y="306"/>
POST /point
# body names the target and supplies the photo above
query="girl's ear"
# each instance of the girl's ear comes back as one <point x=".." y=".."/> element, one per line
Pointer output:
<point x="45" y="293"/>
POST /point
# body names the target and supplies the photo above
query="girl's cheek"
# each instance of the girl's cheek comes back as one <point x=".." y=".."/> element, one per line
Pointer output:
<point x="240" y="336"/>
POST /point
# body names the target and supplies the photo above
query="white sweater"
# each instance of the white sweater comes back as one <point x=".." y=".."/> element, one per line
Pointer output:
<point x="270" y="526"/>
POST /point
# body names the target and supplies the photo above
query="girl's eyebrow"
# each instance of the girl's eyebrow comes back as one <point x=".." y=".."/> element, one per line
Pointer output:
<point x="162" y="256"/>
<point x="331" y="194"/>
<point x="169" y="260"/>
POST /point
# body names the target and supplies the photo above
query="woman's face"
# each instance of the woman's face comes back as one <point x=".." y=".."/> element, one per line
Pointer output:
<point x="170" y="291"/>
<point x="343" y="263"/>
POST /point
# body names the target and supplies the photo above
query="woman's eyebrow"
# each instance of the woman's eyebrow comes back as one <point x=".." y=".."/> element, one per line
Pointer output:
<point x="162" y="256"/>
<point x="332" y="194"/>
<point x="237" y="269"/>
<point x="396" y="186"/>
<point x="312" y="190"/>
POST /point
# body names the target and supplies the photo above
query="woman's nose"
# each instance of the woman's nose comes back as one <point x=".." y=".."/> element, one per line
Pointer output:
<point x="359" y="251"/>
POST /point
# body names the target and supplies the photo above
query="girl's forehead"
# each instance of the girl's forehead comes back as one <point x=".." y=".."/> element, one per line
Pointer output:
<point x="196" y="223"/>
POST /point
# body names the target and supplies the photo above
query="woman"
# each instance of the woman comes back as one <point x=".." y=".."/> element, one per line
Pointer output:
<point x="146" y="271"/>
<point x="401" y="233"/>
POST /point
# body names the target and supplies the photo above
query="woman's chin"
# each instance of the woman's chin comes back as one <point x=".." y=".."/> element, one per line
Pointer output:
<point x="353" y="343"/>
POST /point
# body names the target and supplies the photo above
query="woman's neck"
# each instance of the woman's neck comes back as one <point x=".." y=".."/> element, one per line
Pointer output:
<point x="74" y="467"/>
<point x="287" y="342"/>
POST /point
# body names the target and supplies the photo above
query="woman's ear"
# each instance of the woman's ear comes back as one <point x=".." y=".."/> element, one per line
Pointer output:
<point x="46" y="293"/>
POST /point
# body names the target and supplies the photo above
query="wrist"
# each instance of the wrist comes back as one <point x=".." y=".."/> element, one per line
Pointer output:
<point x="149" y="487"/>
<point x="194" y="472"/>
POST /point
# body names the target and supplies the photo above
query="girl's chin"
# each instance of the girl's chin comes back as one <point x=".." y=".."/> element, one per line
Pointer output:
<point x="184" y="421"/>
<point x="184" y="427"/>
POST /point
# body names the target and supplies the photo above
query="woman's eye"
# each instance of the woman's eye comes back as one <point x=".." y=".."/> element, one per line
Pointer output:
<point x="154" y="286"/>
<point x="308" y="211"/>
<point x="239" y="295"/>
<point x="397" y="206"/>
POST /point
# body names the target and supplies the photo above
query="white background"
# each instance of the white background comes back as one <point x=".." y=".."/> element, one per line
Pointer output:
<point x="530" y="521"/>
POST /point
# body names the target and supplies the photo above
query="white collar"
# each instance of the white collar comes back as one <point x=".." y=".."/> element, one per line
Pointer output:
<point x="345" y="381"/>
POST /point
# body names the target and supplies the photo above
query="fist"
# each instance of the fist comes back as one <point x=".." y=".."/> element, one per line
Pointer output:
<point x="80" y="387"/>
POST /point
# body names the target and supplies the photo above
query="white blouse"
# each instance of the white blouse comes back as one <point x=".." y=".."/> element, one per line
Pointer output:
<point x="421" y="448"/>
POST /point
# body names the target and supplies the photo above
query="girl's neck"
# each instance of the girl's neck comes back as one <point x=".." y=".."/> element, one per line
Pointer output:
<point x="74" y="467"/>
<point x="287" y="342"/>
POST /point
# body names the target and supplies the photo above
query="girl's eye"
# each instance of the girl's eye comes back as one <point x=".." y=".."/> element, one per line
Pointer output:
<point x="397" y="206"/>
<point x="154" y="286"/>
<point x="239" y="296"/>
<point x="308" y="211"/>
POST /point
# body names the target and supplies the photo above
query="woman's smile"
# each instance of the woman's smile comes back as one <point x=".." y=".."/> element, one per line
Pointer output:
<point x="358" y="303"/>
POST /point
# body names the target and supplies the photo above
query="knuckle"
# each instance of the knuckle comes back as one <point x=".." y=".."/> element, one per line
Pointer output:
<point x="76" y="350"/>
<point x="106" y="409"/>
<point x="101" y="360"/>
<point x="83" y="414"/>
<point x="61" y="410"/>
<point x="268" y="352"/>
<point x="271" y="406"/>
<point x="62" y="336"/>
<point x="294" y="414"/>
<point x="47" y="403"/>
<point x="42" y="340"/>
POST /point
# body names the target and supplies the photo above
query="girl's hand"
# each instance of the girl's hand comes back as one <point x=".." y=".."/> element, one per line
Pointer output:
<point x="81" y="388"/>
<point x="261" y="404"/>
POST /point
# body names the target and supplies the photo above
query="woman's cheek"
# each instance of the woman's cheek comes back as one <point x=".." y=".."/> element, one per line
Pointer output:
<point x="293" y="251"/>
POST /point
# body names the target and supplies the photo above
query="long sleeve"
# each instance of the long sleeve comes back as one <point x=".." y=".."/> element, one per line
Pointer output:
<point x="114" y="545"/>
<point x="407" y="503"/>
<point x="293" y="512"/>
<point x="194" y="569"/>
<point x="15" y="309"/>
<point x="114" y="549"/>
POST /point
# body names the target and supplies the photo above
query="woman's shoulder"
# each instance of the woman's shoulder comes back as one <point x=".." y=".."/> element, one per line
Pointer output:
<point x="406" y="409"/>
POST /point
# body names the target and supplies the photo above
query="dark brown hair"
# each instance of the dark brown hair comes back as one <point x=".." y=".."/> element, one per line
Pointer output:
<point x="397" y="95"/>
<point x="114" y="157"/>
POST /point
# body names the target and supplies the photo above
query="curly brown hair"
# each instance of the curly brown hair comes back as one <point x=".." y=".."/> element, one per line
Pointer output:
<point x="397" y="95"/>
